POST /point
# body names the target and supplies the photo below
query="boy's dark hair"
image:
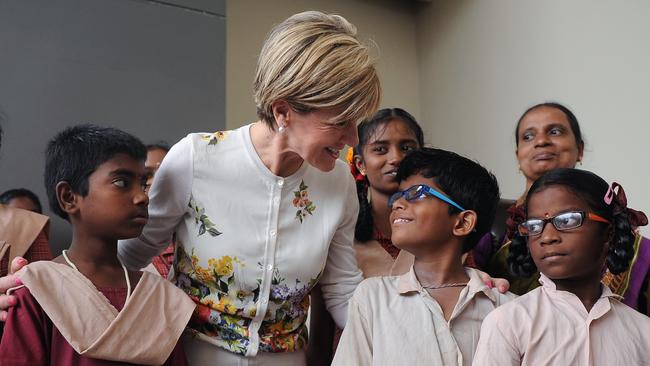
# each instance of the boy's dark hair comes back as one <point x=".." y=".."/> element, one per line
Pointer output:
<point x="364" y="228"/>
<point x="160" y="145"/>
<point x="76" y="152"/>
<point x="463" y="180"/>
<point x="7" y="196"/>
<point x="591" y="189"/>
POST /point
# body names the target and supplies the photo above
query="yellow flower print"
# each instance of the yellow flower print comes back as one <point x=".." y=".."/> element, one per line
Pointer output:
<point x="223" y="266"/>
<point x="215" y="138"/>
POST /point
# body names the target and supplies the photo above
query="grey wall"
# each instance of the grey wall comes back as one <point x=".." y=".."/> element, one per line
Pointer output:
<point x="153" y="68"/>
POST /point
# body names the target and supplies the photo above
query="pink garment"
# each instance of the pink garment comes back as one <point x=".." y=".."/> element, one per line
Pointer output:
<point x="552" y="327"/>
<point x="31" y="339"/>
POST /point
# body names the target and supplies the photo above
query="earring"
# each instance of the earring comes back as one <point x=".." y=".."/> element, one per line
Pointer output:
<point x="363" y="172"/>
<point x="281" y="129"/>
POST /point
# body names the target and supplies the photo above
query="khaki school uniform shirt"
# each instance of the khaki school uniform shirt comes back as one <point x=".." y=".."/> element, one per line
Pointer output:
<point x="394" y="321"/>
<point x="552" y="327"/>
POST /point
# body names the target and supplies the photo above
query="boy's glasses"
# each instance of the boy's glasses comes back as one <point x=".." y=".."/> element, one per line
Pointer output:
<point x="418" y="192"/>
<point x="562" y="222"/>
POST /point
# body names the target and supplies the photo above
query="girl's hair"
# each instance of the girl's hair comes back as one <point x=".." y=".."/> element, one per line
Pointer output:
<point x="592" y="190"/>
<point x="573" y="121"/>
<point x="367" y="129"/>
<point x="315" y="61"/>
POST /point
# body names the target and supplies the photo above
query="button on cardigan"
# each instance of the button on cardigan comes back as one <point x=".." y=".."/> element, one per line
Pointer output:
<point x="250" y="244"/>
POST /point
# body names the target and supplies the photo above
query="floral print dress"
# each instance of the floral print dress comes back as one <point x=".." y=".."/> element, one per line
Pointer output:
<point x="250" y="245"/>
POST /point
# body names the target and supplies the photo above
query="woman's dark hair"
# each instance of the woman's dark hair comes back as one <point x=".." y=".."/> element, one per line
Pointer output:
<point x="9" y="195"/>
<point x="367" y="129"/>
<point x="573" y="121"/>
<point x="591" y="189"/>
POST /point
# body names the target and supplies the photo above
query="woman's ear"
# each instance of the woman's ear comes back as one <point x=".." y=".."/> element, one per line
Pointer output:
<point x="358" y="162"/>
<point x="581" y="149"/>
<point x="465" y="223"/>
<point x="67" y="199"/>
<point x="281" y="113"/>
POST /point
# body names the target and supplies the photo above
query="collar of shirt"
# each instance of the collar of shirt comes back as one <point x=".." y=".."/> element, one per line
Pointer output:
<point x="408" y="282"/>
<point x="600" y="308"/>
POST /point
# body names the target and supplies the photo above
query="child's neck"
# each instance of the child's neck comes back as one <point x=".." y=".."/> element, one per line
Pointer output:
<point x="95" y="258"/>
<point x="440" y="267"/>
<point x="588" y="288"/>
<point x="442" y="274"/>
<point x="380" y="212"/>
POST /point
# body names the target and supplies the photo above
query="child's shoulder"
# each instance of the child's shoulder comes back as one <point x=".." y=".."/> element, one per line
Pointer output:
<point x="500" y="298"/>
<point x="376" y="288"/>
<point x="517" y="306"/>
<point x="634" y="317"/>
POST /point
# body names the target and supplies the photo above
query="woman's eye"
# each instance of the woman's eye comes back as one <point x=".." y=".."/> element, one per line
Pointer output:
<point x="527" y="136"/>
<point x="555" y="131"/>
<point x="408" y="147"/>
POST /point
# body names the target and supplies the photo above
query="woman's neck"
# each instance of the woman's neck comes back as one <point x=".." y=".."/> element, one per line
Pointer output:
<point x="380" y="212"/>
<point x="273" y="150"/>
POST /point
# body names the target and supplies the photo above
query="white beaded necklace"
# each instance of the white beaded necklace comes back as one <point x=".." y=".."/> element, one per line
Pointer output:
<point x="126" y="273"/>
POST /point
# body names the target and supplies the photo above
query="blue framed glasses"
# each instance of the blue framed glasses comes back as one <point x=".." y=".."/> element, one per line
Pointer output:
<point x="418" y="192"/>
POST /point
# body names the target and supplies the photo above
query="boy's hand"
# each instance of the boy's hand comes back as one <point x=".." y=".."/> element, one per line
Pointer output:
<point x="7" y="282"/>
<point x="501" y="284"/>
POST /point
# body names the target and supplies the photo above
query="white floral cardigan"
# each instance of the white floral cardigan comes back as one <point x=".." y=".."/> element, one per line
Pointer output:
<point x="250" y="245"/>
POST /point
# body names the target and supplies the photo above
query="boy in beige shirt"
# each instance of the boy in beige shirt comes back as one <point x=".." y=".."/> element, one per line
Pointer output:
<point x="433" y="313"/>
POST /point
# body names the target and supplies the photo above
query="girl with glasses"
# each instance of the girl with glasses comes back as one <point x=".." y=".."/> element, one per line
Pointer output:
<point x="575" y="226"/>
<point x="548" y="136"/>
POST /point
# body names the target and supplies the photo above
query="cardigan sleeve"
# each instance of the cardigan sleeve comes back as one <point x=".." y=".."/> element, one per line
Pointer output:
<point x="168" y="202"/>
<point x="342" y="275"/>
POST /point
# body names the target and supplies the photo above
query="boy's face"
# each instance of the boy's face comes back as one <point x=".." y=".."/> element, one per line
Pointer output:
<point x="423" y="222"/>
<point x="116" y="204"/>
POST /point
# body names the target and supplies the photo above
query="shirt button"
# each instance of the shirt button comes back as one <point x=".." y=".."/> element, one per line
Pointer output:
<point x="272" y="232"/>
<point x="280" y="182"/>
<point x="264" y="301"/>
<point x="269" y="267"/>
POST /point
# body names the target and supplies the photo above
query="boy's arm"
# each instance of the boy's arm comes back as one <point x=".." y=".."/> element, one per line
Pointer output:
<point x="168" y="202"/>
<point x="496" y="343"/>
<point x="27" y="333"/>
<point x="355" y="347"/>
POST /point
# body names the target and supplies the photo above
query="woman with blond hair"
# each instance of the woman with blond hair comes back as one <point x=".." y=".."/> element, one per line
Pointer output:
<point x="264" y="212"/>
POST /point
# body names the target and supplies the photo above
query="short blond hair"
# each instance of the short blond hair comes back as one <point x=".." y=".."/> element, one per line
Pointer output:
<point x="314" y="61"/>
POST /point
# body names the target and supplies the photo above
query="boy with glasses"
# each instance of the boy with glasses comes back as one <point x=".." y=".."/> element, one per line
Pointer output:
<point x="433" y="313"/>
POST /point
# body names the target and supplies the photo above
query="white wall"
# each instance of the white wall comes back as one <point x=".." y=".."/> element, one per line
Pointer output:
<point x="468" y="69"/>
<point x="482" y="63"/>
<point x="388" y="23"/>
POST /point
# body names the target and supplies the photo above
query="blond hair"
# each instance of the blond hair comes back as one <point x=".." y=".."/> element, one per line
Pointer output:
<point x="314" y="61"/>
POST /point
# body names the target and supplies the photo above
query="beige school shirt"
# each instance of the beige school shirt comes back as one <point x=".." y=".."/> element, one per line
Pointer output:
<point x="394" y="321"/>
<point x="551" y="327"/>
